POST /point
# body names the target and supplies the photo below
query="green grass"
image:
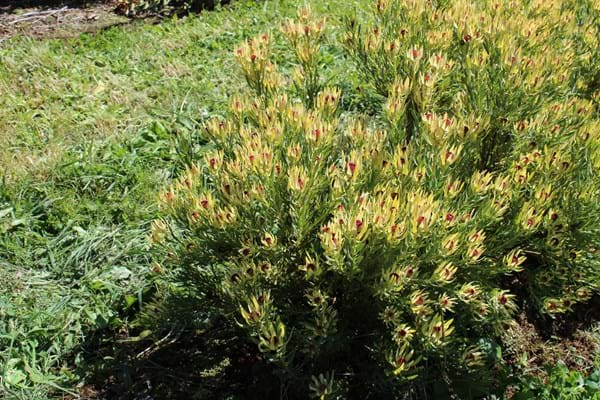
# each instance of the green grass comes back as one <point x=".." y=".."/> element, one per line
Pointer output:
<point x="57" y="93"/>
<point x="92" y="127"/>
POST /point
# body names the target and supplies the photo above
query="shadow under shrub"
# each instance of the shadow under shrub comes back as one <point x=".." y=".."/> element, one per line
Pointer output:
<point x="366" y="255"/>
<point x="136" y="7"/>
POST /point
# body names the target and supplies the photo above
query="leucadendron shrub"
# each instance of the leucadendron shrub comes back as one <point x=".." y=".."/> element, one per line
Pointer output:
<point x="370" y="253"/>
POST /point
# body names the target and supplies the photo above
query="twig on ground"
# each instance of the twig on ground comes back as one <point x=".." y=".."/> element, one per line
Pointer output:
<point x="158" y="345"/>
<point x="39" y="15"/>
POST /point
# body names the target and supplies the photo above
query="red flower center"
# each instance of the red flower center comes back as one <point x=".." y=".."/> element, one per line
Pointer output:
<point x="359" y="224"/>
<point x="351" y="167"/>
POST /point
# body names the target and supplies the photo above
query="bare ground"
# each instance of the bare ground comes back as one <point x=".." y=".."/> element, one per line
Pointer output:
<point x="56" y="19"/>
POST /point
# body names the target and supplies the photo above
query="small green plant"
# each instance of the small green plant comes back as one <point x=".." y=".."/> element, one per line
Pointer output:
<point x="378" y="246"/>
<point x="559" y="384"/>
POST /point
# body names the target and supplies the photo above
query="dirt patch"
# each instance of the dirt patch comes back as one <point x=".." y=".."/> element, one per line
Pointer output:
<point x="525" y="345"/>
<point x="56" y="19"/>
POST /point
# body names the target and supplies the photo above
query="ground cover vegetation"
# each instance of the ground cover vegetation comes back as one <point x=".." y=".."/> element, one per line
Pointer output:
<point x="396" y="183"/>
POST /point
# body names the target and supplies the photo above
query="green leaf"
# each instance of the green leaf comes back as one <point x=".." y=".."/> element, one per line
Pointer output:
<point x="5" y="212"/>
<point x="14" y="375"/>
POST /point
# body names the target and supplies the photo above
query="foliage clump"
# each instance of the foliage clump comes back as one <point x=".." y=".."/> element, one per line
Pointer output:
<point x="360" y="251"/>
<point x="140" y="7"/>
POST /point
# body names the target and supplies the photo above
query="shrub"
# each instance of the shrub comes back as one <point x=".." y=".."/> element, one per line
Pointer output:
<point x="136" y="7"/>
<point x="361" y="251"/>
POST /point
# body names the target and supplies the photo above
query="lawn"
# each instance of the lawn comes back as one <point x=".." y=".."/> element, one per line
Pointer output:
<point x="92" y="129"/>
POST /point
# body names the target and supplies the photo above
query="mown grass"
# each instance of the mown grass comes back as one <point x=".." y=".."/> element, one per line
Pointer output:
<point x="57" y="93"/>
<point x="90" y="129"/>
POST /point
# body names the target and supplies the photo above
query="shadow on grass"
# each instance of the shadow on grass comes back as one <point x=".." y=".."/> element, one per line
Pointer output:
<point x="188" y="357"/>
<point x="196" y="365"/>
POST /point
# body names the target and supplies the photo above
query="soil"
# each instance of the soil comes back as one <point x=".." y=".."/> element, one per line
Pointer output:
<point x="578" y="349"/>
<point x="56" y="18"/>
